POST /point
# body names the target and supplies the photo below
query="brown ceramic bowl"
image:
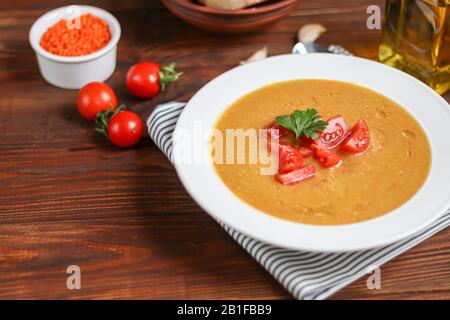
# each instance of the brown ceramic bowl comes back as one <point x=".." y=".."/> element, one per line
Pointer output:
<point x="230" y="21"/>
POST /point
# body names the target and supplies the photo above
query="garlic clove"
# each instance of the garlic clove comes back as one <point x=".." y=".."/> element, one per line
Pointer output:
<point x="310" y="32"/>
<point x="261" y="54"/>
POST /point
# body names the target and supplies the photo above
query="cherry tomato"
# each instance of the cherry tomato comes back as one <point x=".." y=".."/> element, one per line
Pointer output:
<point x="125" y="129"/>
<point x="147" y="79"/>
<point x="296" y="176"/>
<point x="358" y="139"/>
<point x="95" y="97"/>
<point x="327" y="158"/>
<point x="334" y="134"/>
<point x="143" y="80"/>
<point x="290" y="159"/>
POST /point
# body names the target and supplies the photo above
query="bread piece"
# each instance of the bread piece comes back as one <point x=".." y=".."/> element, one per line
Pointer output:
<point x="230" y="4"/>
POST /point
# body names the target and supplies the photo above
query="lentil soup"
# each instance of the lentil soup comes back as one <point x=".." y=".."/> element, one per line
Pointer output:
<point x="364" y="186"/>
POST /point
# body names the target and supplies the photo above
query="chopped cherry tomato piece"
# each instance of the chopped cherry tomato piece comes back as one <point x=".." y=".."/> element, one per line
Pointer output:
<point x="305" y="141"/>
<point x="290" y="159"/>
<point x="327" y="158"/>
<point x="334" y="134"/>
<point x="275" y="132"/>
<point x="296" y="176"/>
<point x="272" y="130"/>
<point x="358" y="139"/>
<point x="305" y="152"/>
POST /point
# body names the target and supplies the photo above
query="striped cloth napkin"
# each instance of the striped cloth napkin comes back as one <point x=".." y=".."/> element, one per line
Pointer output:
<point x="307" y="275"/>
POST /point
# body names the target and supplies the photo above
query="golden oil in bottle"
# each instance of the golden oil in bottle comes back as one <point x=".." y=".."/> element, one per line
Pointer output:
<point x="416" y="39"/>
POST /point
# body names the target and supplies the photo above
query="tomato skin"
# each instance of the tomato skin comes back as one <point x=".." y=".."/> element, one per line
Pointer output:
<point x="296" y="176"/>
<point x="290" y="159"/>
<point x="305" y="152"/>
<point x="143" y="80"/>
<point x="334" y="134"/>
<point x="359" y="138"/>
<point x="95" y="97"/>
<point x="125" y="129"/>
<point x="272" y="132"/>
<point x="305" y="141"/>
<point x="327" y="158"/>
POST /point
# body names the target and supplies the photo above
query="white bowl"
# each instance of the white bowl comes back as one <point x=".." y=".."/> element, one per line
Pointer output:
<point x="208" y="190"/>
<point x="75" y="72"/>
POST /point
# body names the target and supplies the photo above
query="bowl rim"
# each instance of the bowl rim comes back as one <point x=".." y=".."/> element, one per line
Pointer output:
<point x="427" y="205"/>
<point x="245" y="11"/>
<point x="112" y="21"/>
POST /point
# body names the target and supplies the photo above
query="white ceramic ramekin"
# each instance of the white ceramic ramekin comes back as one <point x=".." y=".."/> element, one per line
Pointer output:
<point x="75" y="72"/>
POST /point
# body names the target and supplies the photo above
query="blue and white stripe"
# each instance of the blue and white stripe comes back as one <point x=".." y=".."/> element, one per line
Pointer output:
<point x="161" y="124"/>
<point x="307" y="275"/>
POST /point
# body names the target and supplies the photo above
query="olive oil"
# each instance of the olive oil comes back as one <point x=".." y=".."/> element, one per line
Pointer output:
<point x="416" y="39"/>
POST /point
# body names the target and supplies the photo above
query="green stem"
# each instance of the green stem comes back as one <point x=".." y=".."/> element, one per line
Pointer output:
<point x="168" y="75"/>
<point x="103" y="118"/>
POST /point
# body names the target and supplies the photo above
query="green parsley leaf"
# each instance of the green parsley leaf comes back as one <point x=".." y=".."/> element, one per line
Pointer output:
<point x="303" y="123"/>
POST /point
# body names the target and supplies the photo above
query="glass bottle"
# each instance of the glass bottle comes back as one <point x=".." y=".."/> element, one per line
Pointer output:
<point x="416" y="39"/>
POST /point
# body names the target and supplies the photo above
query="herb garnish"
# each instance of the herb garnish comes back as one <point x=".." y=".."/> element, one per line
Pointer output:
<point x="307" y="123"/>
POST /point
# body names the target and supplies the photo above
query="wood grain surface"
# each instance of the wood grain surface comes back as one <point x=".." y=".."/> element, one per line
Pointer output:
<point x="69" y="198"/>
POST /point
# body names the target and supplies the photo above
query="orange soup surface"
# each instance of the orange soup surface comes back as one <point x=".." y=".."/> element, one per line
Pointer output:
<point x="367" y="185"/>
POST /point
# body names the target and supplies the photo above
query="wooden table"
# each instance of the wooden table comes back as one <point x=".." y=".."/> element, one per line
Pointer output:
<point x="69" y="198"/>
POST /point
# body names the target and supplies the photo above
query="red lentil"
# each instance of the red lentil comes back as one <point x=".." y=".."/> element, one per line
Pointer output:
<point x="92" y="35"/>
